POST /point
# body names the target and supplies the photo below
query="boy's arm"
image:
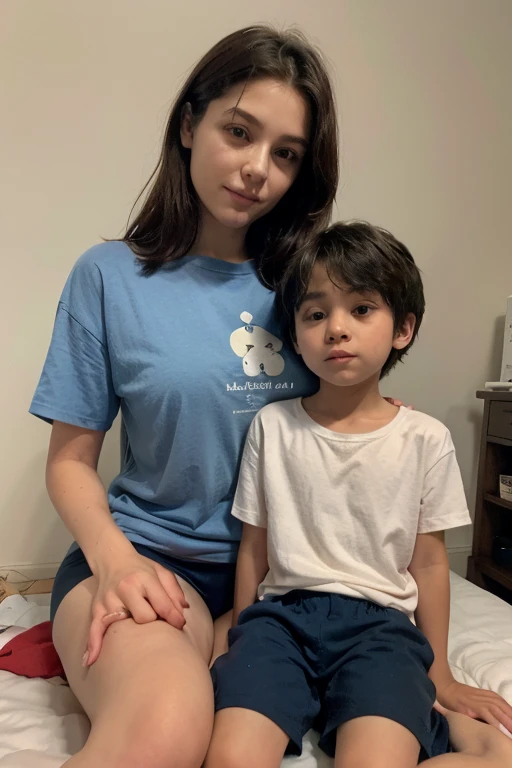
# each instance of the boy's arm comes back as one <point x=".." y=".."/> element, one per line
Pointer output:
<point x="251" y="568"/>
<point x="431" y="571"/>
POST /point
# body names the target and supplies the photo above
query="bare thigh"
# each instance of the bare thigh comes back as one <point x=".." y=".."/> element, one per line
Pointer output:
<point x="245" y="739"/>
<point x="375" y="742"/>
<point x="478" y="746"/>
<point x="221" y="628"/>
<point x="149" y="696"/>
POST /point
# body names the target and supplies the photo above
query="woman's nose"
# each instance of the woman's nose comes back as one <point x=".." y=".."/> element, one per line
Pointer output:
<point x="256" y="165"/>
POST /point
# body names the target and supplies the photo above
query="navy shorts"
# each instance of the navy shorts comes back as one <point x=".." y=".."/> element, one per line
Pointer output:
<point x="215" y="582"/>
<point x="317" y="660"/>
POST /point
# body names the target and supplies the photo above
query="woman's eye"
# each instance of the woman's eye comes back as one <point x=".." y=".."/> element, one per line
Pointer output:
<point x="237" y="132"/>
<point x="316" y="316"/>
<point x="287" y="154"/>
<point x="362" y="310"/>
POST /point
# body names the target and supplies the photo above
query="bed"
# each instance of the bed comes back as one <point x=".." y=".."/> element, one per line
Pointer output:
<point x="42" y="723"/>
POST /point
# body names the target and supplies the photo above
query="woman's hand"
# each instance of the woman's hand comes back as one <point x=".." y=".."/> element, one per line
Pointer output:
<point x="138" y="588"/>
<point x="476" y="703"/>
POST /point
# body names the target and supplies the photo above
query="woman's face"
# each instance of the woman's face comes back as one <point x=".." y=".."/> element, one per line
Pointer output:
<point x="247" y="150"/>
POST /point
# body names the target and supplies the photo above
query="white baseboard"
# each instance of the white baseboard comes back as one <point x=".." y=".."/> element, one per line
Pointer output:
<point x="28" y="571"/>
<point x="458" y="557"/>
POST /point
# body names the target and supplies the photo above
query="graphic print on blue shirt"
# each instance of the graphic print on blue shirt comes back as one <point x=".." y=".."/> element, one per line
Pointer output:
<point x="259" y="348"/>
<point x="189" y="355"/>
<point x="261" y="359"/>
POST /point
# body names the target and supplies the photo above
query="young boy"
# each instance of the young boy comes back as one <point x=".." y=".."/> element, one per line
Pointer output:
<point x="344" y="500"/>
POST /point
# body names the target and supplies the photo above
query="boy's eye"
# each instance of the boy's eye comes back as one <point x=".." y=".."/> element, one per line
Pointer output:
<point x="317" y="315"/>
<point x="362" y="310"/>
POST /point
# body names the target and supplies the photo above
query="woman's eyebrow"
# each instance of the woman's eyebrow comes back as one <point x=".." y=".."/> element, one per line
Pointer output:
<point x="254" y="121"/>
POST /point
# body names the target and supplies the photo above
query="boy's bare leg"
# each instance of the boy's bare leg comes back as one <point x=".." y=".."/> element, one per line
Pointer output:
<point x="245" y="739"/>
<point x="221" y="628"/>
<point x="478" y="745"/>
<point x="149" y="696"/>
<point x="375" y="742"/>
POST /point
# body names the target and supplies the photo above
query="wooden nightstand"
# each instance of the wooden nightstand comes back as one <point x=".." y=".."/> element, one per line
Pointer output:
<point x="493" y="515"/>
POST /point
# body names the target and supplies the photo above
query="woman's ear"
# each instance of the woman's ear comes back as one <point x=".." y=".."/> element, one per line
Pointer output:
<point x="404" y="335"/>
<point x="186" y="129"/>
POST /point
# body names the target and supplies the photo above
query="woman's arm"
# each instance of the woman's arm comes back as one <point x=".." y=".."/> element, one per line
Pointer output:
<point x="78" y="495"/>
<point x="127" y="582"/>
<point x="251" y="567"/>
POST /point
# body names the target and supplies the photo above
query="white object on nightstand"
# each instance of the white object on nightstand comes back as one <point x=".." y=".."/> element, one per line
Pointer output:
<point x="506" y="363"/>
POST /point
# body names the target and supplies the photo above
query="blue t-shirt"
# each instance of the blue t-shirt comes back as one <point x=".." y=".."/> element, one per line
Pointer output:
<point x="189" y="354"/>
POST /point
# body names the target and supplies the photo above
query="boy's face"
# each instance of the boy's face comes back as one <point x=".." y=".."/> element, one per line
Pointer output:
<point x="345" y="337"/>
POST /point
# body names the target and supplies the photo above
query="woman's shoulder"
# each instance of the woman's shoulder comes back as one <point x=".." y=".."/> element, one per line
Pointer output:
<point x="100" y="268"/>
<point x="113" y="254"/>
<point x="104" y="266"/>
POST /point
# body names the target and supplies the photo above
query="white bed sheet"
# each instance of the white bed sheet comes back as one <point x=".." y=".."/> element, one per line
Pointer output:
<point x="42" y="723"/>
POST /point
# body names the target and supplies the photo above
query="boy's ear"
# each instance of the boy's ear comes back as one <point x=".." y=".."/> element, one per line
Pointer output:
<point x="296" y="347"/>
<point x="186" y="130"/>
<point x="404" y="335"/>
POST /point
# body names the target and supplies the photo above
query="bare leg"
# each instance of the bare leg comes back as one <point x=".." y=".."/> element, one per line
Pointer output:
<point x="149" y="696"/>
<point x="245" y="739"/>
<point x="375" y="742"/>
<point x="221" y="628"/>
<point x="478" y="746"/>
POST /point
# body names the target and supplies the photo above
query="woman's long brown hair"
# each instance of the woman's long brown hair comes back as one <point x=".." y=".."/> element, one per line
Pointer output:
<point x="167" y="224"/>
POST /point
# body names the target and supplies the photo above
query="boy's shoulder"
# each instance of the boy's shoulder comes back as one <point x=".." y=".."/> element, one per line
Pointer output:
<point x="276" y="412"/>
<point x="425" y="424"/>
<point x="429" y="434"/>
<point x="283" y="416"/>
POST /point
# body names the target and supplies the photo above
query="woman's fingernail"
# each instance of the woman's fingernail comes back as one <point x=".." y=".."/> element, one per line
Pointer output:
<point x="85" y="659"/>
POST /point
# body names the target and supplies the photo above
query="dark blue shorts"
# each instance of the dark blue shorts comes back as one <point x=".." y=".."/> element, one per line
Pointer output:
<point x="317" y="660"/>
<point x="215" y="582"/>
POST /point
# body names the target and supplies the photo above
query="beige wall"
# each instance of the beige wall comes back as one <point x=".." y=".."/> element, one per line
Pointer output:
<point x="424" y="93"/>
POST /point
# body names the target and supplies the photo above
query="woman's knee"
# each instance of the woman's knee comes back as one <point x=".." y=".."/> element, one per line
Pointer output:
<point x="158" y="743"/>
<point x="152" y="728"/>
<point x="149" y="695"/>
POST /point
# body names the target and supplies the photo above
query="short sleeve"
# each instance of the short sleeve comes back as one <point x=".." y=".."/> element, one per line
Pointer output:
<point x="249" y="504"/>
<point x="76" y="382"/>
<point x="443" y="503"/>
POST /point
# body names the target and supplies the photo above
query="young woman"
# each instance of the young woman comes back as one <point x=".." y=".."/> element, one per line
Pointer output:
<point x="175" y="325"/>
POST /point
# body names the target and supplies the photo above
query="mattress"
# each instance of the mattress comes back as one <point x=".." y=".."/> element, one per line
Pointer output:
<point x="42" y="723"/>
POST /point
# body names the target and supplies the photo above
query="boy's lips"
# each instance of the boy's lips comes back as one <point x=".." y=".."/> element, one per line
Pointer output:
<point x="340" y="354"/>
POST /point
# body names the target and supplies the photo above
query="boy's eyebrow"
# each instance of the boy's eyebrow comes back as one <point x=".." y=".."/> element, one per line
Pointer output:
<point x="254" y="120"/>
<point x="313" y="296"/>
<point x="318" y="295"/>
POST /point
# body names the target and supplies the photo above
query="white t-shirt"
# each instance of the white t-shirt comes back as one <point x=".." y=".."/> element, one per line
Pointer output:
<point x="342" y="512"/>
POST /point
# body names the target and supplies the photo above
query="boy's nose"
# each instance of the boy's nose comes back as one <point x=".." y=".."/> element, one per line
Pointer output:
<point x="338" y="331"/>
<point x="338" y="336"/>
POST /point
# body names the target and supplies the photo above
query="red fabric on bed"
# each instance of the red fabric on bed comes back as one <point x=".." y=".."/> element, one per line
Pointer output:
<point x="32" y="653"/>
